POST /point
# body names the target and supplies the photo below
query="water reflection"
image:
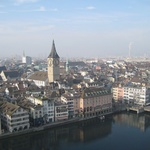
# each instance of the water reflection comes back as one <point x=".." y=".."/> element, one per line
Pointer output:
<point x="82" y="135"/>
<point x="141" y="121"/>
<point x="52" y="139"/>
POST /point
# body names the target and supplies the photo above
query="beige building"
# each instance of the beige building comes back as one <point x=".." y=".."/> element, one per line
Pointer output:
<point x="95" y="102"/>
<point x="53" y="65"/>
<point x="118" y="93"/>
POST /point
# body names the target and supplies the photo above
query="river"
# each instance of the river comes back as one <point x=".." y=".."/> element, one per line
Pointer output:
<point x="125" y="131"/>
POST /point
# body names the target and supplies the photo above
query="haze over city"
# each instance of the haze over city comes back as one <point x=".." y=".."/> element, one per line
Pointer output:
<point x="80" y="28"/>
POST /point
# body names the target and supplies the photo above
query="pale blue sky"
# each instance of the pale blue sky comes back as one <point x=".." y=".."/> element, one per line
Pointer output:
<point x="80" y="28"/>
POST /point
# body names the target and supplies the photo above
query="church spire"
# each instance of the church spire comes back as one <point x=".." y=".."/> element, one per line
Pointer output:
<point x="23" y="54"/>
<point x="53" y="53"/>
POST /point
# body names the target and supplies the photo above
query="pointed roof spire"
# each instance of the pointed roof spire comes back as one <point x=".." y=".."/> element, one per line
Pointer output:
<point x="53" y="53"/>
<point x="23" y="54"/>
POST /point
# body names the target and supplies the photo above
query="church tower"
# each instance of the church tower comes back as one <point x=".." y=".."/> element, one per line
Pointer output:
<point x="53" y="65"/>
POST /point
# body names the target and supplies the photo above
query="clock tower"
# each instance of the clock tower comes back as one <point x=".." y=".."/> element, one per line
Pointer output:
<point x="53" y="65"/>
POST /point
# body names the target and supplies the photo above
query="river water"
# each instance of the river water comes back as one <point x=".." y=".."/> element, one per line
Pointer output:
<point x="125" y="131"/>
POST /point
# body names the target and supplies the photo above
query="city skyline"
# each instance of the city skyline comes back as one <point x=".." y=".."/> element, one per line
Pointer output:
<point x="81" y="28"/>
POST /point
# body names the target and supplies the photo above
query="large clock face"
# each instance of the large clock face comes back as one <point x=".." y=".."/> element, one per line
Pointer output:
<point x="56" y="62"/>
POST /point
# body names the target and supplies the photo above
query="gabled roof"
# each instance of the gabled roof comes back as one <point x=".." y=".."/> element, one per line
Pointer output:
<point x="11" y="73"/>
<point x="94" y="92"/>
<point x="53" y="53"/>
<point x="8" y="108"/>
<point x="26" y="104"/>
<point x="54" y="94"/>
<point x="12" y="89"/>
<point x="39" y="75"/>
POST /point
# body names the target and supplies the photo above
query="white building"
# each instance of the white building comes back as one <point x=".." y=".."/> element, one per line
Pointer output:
<point x="53" y="108"/>
<point x="26" y="59"/>
<point x="137" y="94"/>
<point x="35" y="112"/>
<point x="13" y="117"/>
<point x="40" y="78"/>
<point x="48" y="107"/>
<point x="61" y="111"/>
<point x="68" y="98"/>
<point x="23" y="58"/>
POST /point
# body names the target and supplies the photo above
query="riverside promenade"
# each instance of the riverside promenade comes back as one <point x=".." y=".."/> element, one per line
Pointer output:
<point x="44" y="127"/>
<point x="40" y="128"/>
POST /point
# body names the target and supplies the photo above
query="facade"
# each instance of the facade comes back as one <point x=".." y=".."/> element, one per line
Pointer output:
<point x="73" y="101"/>
<point x="118" y="93"/>
<point x="48" y="107"/>
<point x="53" y="65"/>
<point x="76" y="98"/>
<point x="61" y="111"/>
<point x="28" y="60"/>
<point x="68" y="98"/>
<point x="53" y="110"/>
<point x="35" y="112"/>
<point x="137" y="94"/>
<point x="13" y="117"/>
<point x="36" y="115"/>
<point x="95" y="102"/>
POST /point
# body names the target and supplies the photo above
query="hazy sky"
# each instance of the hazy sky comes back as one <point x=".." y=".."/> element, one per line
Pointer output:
<point x="80" y="28"/>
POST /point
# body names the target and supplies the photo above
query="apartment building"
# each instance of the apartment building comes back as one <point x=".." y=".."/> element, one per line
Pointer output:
<point x="47" y="104"/>
<point x="73" y="100"/>
<point x="118" y="93"/>
<point x="137" y="94"/>
<point x="13" y="117"/>
<point x="95" y="102"/>
<point x="35" y="112"/>
<point x="61" y="111"/>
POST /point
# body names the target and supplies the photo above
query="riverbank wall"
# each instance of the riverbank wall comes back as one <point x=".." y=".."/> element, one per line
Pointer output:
<point x="46" y="127"/>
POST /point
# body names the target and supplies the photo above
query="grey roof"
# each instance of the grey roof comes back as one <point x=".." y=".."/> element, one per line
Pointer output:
<point x="8" y="108"/>
<point x="94" y="92"/>
<point x="53" y="53"/>
<point x="76" y="63"/>
<point x="39" y="75"/>
<point x="11" y="73"/>
<point x="2" y="68"/>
